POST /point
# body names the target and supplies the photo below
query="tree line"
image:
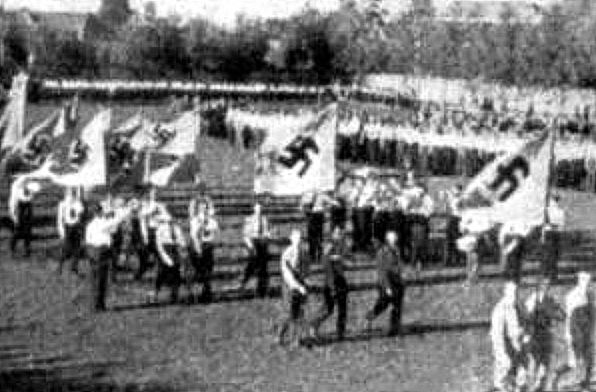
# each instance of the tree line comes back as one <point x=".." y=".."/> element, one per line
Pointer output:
<point x="316" y="48"/>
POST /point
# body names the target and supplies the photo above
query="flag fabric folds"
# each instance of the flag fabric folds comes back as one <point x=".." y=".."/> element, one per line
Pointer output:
<point x="513" y="188"/>
<point x="12" y="122"/>
<point x="84" y="164"/>
<point x="294" y="161"/>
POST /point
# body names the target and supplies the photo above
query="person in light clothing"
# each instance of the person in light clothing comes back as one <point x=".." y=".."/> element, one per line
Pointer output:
<point x="579" y="331"/>
<point x="294" y="269"/>
<point x="508" y="338"/>
<point x="169" y="241"/>
<point x="512" y="244"/>
<point x="203" y="233"/>
<point x="98" y="239"/>
<point x="70" y="227"/>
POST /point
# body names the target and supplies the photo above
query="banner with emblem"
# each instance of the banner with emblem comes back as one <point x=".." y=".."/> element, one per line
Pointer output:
<point x="82" y="162"/>
<point x="299" y="160"/>
<point x="514" y="187"/>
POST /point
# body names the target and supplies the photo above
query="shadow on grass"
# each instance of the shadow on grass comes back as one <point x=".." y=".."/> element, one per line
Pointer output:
<point x="89" y="377"/>
<point x="414" y="329"/>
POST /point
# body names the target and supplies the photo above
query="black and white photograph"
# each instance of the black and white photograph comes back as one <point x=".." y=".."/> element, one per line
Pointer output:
<point x="297" y="196"/>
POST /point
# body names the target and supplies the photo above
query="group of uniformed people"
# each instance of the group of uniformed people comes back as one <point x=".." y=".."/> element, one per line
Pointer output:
<point x="523" y="337"/>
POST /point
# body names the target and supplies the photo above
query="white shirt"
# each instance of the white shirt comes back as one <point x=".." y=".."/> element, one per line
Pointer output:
<point x="99" y="231"/>
<point x="578" y="297"/>
<point x="290" y="262"/>
<point x="505" y="328"/>
<point x="208" y="228"/>
<point x="168" y="234"/>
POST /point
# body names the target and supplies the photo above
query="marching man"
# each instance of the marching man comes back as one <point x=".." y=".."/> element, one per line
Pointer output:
<point x="170" y="242"/>
<point x="148" y="215"/>
<point x="20" y="206"/>
<point x="203" y="232"/>
<point x="579" y="331"/>
<point x="256" y="239"/>
<point x="98" y="239"/>
<point x="508" y="338"/>
<point x="294" y="269"/>
<point x="71" y="228"/>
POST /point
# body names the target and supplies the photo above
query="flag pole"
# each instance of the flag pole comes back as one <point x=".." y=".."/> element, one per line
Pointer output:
<point x="551" y="164"/>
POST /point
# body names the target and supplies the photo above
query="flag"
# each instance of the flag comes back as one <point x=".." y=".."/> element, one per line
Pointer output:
<point x="177" y="137"/>
<point x="513" y="188"/>
<point x="12" y="122"/>
<point x="130" y="126"/>
<point x="85" y="163"/>
<point x="162" y="176"/>
<point x="291" y="162"/>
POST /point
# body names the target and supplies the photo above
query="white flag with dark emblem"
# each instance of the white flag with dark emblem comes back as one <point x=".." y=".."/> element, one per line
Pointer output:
<point x="179" y="137"/>
<point x="513" y="187"/>
<point x="161" y="177"/>
<point x="87" y="156"/>
<point x="292" y="162"/>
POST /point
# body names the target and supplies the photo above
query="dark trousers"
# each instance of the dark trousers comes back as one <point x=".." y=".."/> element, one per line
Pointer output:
<point x="513" y="263"/>
<point x="395" y="301"/>
<point x="72" y="246"/>
<point x="295" y="317"/>
<point x="363" y="228"/>
<point x="169" y="274"/>
<point x="331" y="298"/>
<point x="550" y="255"/>
<point x="381" y="224"/>
<point x="418" y="239"/>
<point x="24" y="232"/>
<point x="203" y="265"/>
<point x="147" y="255"/>
<point x="257" y="266"/>
<point x="316" y="221"/>
<point x="100" y="258"/>
<point x="338" y="217"/>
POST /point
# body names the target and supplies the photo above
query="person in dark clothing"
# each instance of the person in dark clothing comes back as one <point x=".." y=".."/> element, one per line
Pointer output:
<point x="335" y="290"/>
<point x="256" y="238"/>
<point x="70" y="221"/>
<point x="391" y="286"/>
<point x="22" y="193"/>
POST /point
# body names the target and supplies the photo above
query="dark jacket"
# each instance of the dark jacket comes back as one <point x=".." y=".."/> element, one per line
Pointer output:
<point x="389" y="267"/>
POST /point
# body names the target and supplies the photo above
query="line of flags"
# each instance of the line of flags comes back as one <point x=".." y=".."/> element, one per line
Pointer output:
<point x="137" y="152"/>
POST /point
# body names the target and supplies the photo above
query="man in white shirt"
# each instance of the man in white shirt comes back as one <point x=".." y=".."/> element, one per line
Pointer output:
<point x="169" y="241"/>
<point x="508" y="338"/>
<point x="203" y="232"/>
<point x="70" y="227"/>
<point x="294" y="269"/>
<point x="580" y="321"/>
<point x="98" y="239"/>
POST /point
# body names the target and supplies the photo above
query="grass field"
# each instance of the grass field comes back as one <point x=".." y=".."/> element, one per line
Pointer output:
<point x="50" y="341"/>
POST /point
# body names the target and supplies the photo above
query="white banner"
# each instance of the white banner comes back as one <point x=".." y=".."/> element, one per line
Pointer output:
<point x="294" y="161"/>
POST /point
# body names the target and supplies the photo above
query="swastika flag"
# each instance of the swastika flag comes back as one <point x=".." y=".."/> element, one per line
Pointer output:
<point x="295" y="161"/>
<point x="513" y="187"/>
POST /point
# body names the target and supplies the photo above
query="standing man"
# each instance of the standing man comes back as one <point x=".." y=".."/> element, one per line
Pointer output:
<point x="541" y="311"/>
<point x="507" y="337"/>
<point x="294" y="269"/>
<point x="313" y="205"/>
<point x="551" y="233"/>
<point x="335" y="290"/>
<point x="70" y="227"/>
<point x="170" y="242"/>
<point x="256" y="239"/>
<point x="203" y="232"/>
<point x="20" y="206"/>
<point x="579" y="331"/>
<point x="149" y="214"/>
<point x="98" y="239"/>
<point x="391" y="286"/>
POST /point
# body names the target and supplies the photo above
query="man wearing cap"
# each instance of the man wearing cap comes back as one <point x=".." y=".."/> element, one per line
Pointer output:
<point x="203" y="232"/>
<point x="541" y="312"/>
<point x="98" y="239"/>
<point x="169" y="241"/>
<point x="579" y="331"/>
<point x="256" y="239"/>
<point x="391" y="286"/>
<point x="335" y="290"/>
<point x="70" y="227"/>
<point x="294" y="269"/>
<point x="508" y="339"/>
<point x="22" y="192"/>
